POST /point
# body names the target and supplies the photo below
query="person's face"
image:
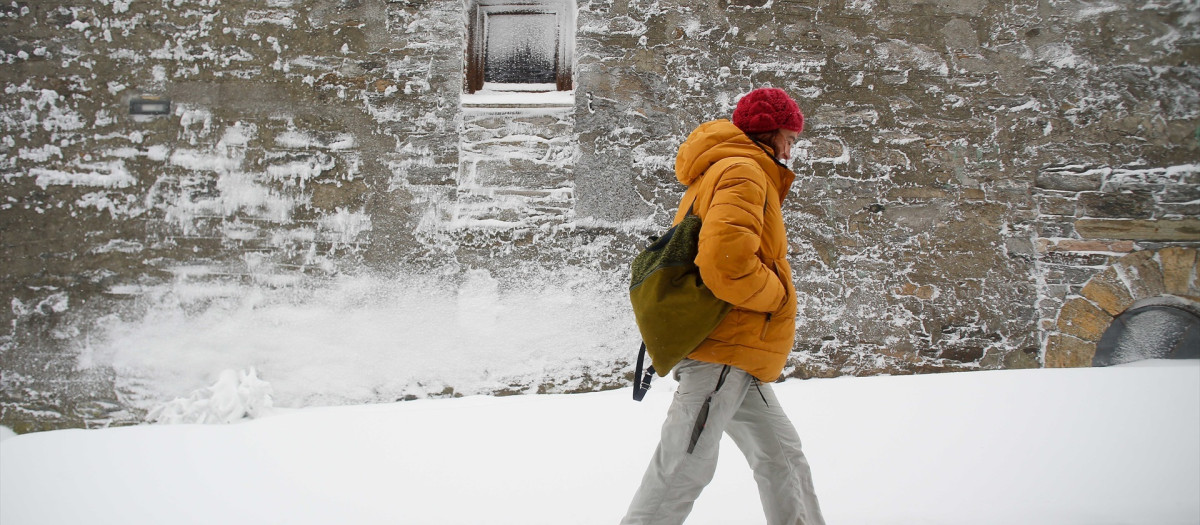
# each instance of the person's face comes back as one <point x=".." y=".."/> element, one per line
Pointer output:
<point x="782" y="144"/>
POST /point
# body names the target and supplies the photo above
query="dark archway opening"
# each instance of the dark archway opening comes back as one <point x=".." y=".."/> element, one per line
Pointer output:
<point x="1155" y="331"/>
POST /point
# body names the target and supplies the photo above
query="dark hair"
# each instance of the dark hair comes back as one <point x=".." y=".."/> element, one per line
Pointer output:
<point x="764" y="137"/>
<point x="763" y="141"/>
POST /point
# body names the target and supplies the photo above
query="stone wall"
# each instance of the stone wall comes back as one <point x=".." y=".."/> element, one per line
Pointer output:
<point x="966" y="168"/>
<point x="1167" y="276"/>
<point x="967" y="165"/>
<point x="304" y="140"/>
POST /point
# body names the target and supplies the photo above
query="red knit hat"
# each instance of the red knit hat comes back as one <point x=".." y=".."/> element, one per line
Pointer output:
<point x="767" y="109"/>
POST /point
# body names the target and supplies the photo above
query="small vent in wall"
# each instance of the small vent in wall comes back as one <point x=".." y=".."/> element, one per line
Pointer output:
<point x="149" y="105"/>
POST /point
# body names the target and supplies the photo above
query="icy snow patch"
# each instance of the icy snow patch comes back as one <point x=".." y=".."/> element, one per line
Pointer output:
<point x="56" y="303"/>
<point x="517" y="99"/>
<point x="1061" y="56"/>
<point x="298" y="140"/>
<point x="236" y="395"/>
<point x="42" y="154"/>
<point x="345" y="226"/>
<point x="102" y="175"/>
<point x="237" y="192"/>
<point x="102" y="201"/>
<point x="369" y="338"/>
<point x="619" y="25"/>
<point x="199" y="161"/>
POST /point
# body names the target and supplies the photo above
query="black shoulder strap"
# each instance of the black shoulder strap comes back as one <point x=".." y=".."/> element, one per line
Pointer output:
<point x="641" y="379"/>
<point x="692" y="205"/>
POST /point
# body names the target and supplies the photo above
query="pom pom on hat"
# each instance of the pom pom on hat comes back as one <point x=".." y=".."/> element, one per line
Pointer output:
<point x="767" y="109"/>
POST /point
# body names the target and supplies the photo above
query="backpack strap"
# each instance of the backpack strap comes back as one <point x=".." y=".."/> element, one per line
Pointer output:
<point x="641" y="379"/>
<point x="691" y="209"/>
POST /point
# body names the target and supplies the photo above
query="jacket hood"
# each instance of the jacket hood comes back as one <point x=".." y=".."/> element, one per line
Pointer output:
<point x="719" y="139"/>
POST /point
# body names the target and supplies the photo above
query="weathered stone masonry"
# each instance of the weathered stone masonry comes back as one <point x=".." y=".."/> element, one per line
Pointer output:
<point x="968" y="166"/>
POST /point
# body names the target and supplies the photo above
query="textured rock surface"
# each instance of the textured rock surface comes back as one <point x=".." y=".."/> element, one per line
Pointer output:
<point x="1141" y="279"/>
<point x="967" y="168"/>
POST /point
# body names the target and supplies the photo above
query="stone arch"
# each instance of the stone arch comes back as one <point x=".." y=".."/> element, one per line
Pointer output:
<point x="1134" y="278"/>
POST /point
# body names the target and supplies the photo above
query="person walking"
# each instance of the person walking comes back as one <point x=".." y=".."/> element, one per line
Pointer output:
<point x="737" y="180"/>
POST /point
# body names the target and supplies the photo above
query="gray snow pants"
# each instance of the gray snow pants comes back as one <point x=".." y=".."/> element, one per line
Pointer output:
<point x="686" y="457"/>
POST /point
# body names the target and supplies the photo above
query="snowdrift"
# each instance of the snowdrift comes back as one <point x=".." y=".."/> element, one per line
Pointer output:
<point x="1074" y="446"/>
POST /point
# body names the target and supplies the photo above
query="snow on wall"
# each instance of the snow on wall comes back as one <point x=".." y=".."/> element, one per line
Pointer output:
<point x="321" y="197"/>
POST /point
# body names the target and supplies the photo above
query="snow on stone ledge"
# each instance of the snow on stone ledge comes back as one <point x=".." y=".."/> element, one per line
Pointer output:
<point x="508" y="96"/>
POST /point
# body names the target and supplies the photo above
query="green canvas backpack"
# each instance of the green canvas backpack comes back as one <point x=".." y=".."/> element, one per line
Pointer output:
<point x="675" y="311"/>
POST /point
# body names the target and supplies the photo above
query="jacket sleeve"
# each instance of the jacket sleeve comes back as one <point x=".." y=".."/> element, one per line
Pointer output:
<point x="730" y="239"/>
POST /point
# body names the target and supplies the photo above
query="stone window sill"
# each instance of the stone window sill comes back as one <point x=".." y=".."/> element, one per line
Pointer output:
<point x="487" y="98"/>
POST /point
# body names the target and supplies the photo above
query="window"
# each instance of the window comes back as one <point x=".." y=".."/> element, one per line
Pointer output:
<point x="520" y="46"/>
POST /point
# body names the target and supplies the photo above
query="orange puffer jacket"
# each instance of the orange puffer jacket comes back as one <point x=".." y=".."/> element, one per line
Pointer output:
<point x="738" y="188"/>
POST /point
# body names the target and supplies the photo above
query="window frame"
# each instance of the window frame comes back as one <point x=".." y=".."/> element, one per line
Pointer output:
<point x="477" y="39"/>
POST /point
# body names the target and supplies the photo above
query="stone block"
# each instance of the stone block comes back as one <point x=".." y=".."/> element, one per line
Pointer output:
<point x="919" y="217"/>
<point x="1142" y="272"/>
<point x="519" y="173"/>
<point x="1181" y="209"/>
<point x="963" y="353"/>
<point x="1109" y="292"/>
<point x="1018" y="246"/>
<point x="1082" y="319"/>
<point x="330" y="197"/>
<point x="839" y="117"/>
<point x="1076" y="245"/>
<point x="923" y="292"/>
<point x="804" y="8"/>
<point x="1055" y="295"/>
<point x="1052" y="228"/>
<point x="1135" y="259"/>
<point x="1026" y="357"/>
<point x="1181" y="194"/>
<point x="974" y="194"/>
<point x="1077" y="277"/>
<point x="1116" y="205"/>
<point x="429" y="175"/>
<point x="885" y="160"/>
<point x="1064" y="351"/>
<point x="1178" y="268"/>
<point x="1078" y="260"/>
<point x="917" y="194"/>
<point x="1069" y="181"/>
<point x="1194" y="286"/>
<point x="1140" y="230"/>
<point x="825" y="151"/>
<point x="1056" y="204"/>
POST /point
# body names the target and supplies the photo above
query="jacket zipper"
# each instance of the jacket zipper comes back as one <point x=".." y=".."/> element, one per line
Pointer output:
<point x="766" y="325"/>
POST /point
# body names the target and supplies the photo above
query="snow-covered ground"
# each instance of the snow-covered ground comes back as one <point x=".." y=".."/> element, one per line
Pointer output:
<point x="1116" y="445"/>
